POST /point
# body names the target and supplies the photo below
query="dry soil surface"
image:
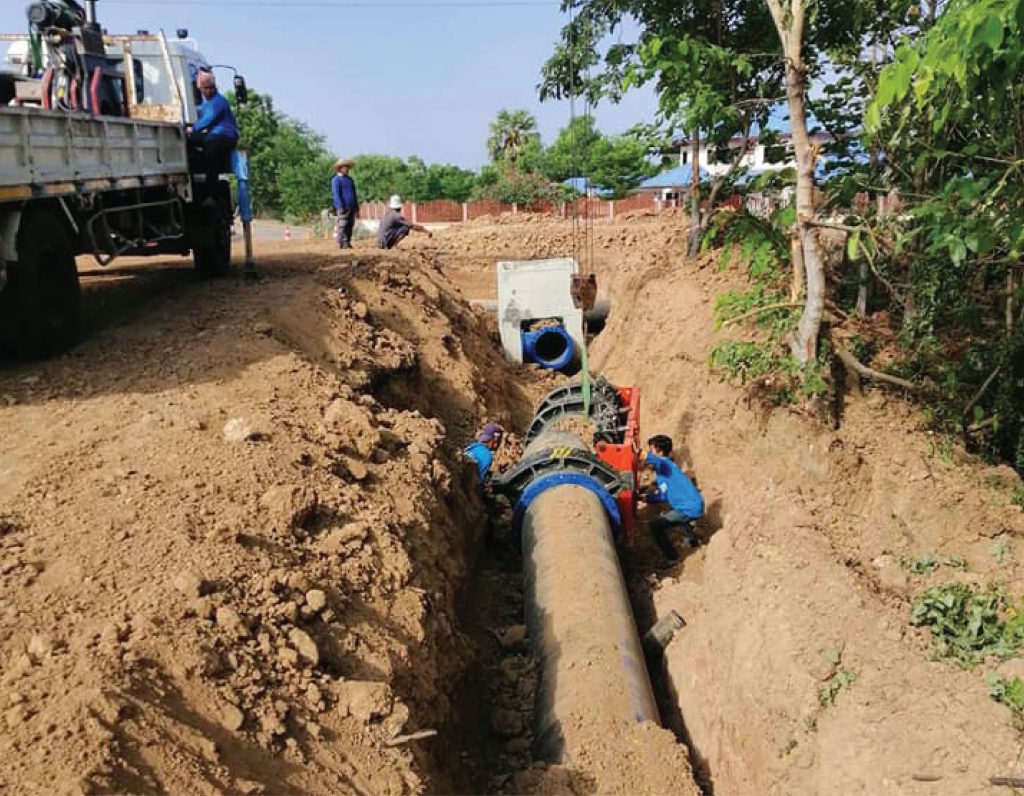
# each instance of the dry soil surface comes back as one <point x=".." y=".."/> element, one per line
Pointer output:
<point x="237" y="542"/>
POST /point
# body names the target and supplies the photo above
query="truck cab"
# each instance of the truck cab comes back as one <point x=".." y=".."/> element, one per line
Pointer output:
<point x="94" y="159"/>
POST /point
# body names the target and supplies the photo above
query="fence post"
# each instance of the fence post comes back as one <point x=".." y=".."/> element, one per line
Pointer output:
<point x="414" y="220"/>
<point x="515" y="208"/>
<point x="465" y="212"/>
<point x="611" y="208"/>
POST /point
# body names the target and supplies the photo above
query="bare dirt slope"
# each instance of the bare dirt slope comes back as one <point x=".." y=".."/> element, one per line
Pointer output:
<point x="809" y="529"/>
<point x="234" y="530"/>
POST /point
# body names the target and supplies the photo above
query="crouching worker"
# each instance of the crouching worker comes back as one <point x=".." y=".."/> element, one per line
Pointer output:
<point x="672" y="488"/>
<point x="481" y="453"/>
<point x="482" y="450"/>
<point x="394" y="228"/>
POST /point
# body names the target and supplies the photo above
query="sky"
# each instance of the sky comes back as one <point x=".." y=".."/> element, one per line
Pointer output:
<point x="392" y="77"/>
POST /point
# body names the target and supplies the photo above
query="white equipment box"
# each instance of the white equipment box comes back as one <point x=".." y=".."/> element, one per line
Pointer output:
<point x="533" y="290"/>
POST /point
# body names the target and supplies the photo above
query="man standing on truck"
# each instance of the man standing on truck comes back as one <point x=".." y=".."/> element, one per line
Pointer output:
<point x="215" y="129"/>
<point x="346" y="203"/>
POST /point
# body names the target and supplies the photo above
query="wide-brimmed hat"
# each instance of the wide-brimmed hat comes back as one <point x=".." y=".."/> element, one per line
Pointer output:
<point x="344" y="162"/>
<point x="395" y="203"/>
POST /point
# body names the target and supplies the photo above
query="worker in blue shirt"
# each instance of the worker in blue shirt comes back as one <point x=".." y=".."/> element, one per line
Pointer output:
<point x="672" y="488"/>
<point x="481" y="451"/>
<point x="215" y="130"/>
<point x="346" y="202"/>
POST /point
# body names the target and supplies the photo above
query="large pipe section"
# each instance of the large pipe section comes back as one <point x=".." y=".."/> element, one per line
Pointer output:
<point x="551" y="347"/>
<point x="591" y="669"/>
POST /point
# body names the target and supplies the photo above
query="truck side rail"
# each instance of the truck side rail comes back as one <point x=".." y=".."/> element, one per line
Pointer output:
<point x="52" y="153"/>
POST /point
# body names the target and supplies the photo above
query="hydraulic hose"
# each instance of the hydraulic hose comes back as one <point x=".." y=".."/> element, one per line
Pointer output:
<point x="590" y="661"/>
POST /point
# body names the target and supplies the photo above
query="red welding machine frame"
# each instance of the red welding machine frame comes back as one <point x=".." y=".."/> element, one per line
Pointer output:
<point x="626" y="457"/>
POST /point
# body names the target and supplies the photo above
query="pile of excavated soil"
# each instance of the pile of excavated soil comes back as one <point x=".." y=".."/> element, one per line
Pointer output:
<point x="806" y="574"/>
<point x="235" y="531"/>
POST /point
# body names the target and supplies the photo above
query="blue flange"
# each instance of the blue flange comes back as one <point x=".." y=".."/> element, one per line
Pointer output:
<point x="546" y="482"/>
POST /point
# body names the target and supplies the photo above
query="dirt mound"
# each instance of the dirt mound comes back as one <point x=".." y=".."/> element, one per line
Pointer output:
<point x="239" y="531"/>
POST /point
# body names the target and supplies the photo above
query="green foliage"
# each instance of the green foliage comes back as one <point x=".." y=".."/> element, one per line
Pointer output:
<point x="1001" y="551"/>
<point x="1017" y="497"/>
<point x="514" y="187"/>
<point x="840" y="678"/>
<point x="928" y="562"/>
<point x="783" y="379"/>
<point x="619" y="164"/>
<point x="780" y="317"/>
<point x="570" y="154"/>
<point x="969" y="624"/>
<point x="1009" y="693"/>
<point x="949" y="116"/>
<point x="743" y="361"/>
<point x="836" y="683"/>
<point x="511" y="133"/>
<point x="762" y="245"/>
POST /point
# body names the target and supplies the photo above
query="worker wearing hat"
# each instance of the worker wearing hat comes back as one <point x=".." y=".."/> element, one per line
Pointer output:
<point x="394" y="228"/>
<point x="482" y="450"/>
<point x="346" y="202"/>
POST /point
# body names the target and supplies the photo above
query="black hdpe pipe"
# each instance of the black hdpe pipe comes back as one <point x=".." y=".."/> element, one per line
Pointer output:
<point x="590" y="660"/>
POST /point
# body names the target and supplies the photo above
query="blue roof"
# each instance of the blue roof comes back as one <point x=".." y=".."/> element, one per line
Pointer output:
<point x="579" y="184"/>
<point x="673" y="178"/>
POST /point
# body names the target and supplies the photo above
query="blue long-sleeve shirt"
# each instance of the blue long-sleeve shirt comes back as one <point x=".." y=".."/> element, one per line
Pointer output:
<point x="215" y="118"/>
<point x="482" y="456"/>
<point x="675" y="489"/>
<point x="343" y="192"/>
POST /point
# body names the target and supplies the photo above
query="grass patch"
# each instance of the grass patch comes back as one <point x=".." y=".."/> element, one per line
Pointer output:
<point x="1009" y="693"/>
<point x="928" y="562"/>
<point x="1001" y="551"/>
<point x="841" y="677"/>
<point x="785" y="380"/>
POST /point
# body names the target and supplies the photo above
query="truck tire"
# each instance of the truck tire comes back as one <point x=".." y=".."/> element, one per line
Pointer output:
<point x="212" y="252"/>
<point x="42" y="298"/>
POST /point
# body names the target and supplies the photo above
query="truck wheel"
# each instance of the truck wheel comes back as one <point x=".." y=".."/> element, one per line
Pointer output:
<point x="42" y="302"/>
<point x="213" y="256"/>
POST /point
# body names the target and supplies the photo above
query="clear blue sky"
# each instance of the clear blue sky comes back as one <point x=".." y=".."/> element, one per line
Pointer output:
<point x="396" y="77"/>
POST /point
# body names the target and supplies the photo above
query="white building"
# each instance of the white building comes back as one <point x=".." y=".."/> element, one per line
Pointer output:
<point x="716" y="162"/>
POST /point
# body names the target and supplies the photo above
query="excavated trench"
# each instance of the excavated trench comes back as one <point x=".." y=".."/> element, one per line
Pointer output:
<point x="286" y="582"/>
<point x="489" y="743"/>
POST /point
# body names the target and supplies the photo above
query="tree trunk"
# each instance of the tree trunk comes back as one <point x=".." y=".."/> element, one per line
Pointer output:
<point x="1011" y="290"/>
<point x="695" y="216"/>
<point x="862" y="289"/>
<point x="803" y="342"/>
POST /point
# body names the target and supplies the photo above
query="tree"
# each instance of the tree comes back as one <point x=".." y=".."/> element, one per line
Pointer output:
<point x="949" y="120"/>
<point x="718" y="66"/>
<point x="569" y="155"/>
<point x="511" y="133"/>
<point x="511" y="186"/>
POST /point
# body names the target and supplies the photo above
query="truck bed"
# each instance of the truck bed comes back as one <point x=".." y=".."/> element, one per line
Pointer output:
<point x="52" y="153"/>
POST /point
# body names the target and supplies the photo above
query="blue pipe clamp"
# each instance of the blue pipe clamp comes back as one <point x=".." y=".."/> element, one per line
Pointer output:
<point x="551" y="347"/>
